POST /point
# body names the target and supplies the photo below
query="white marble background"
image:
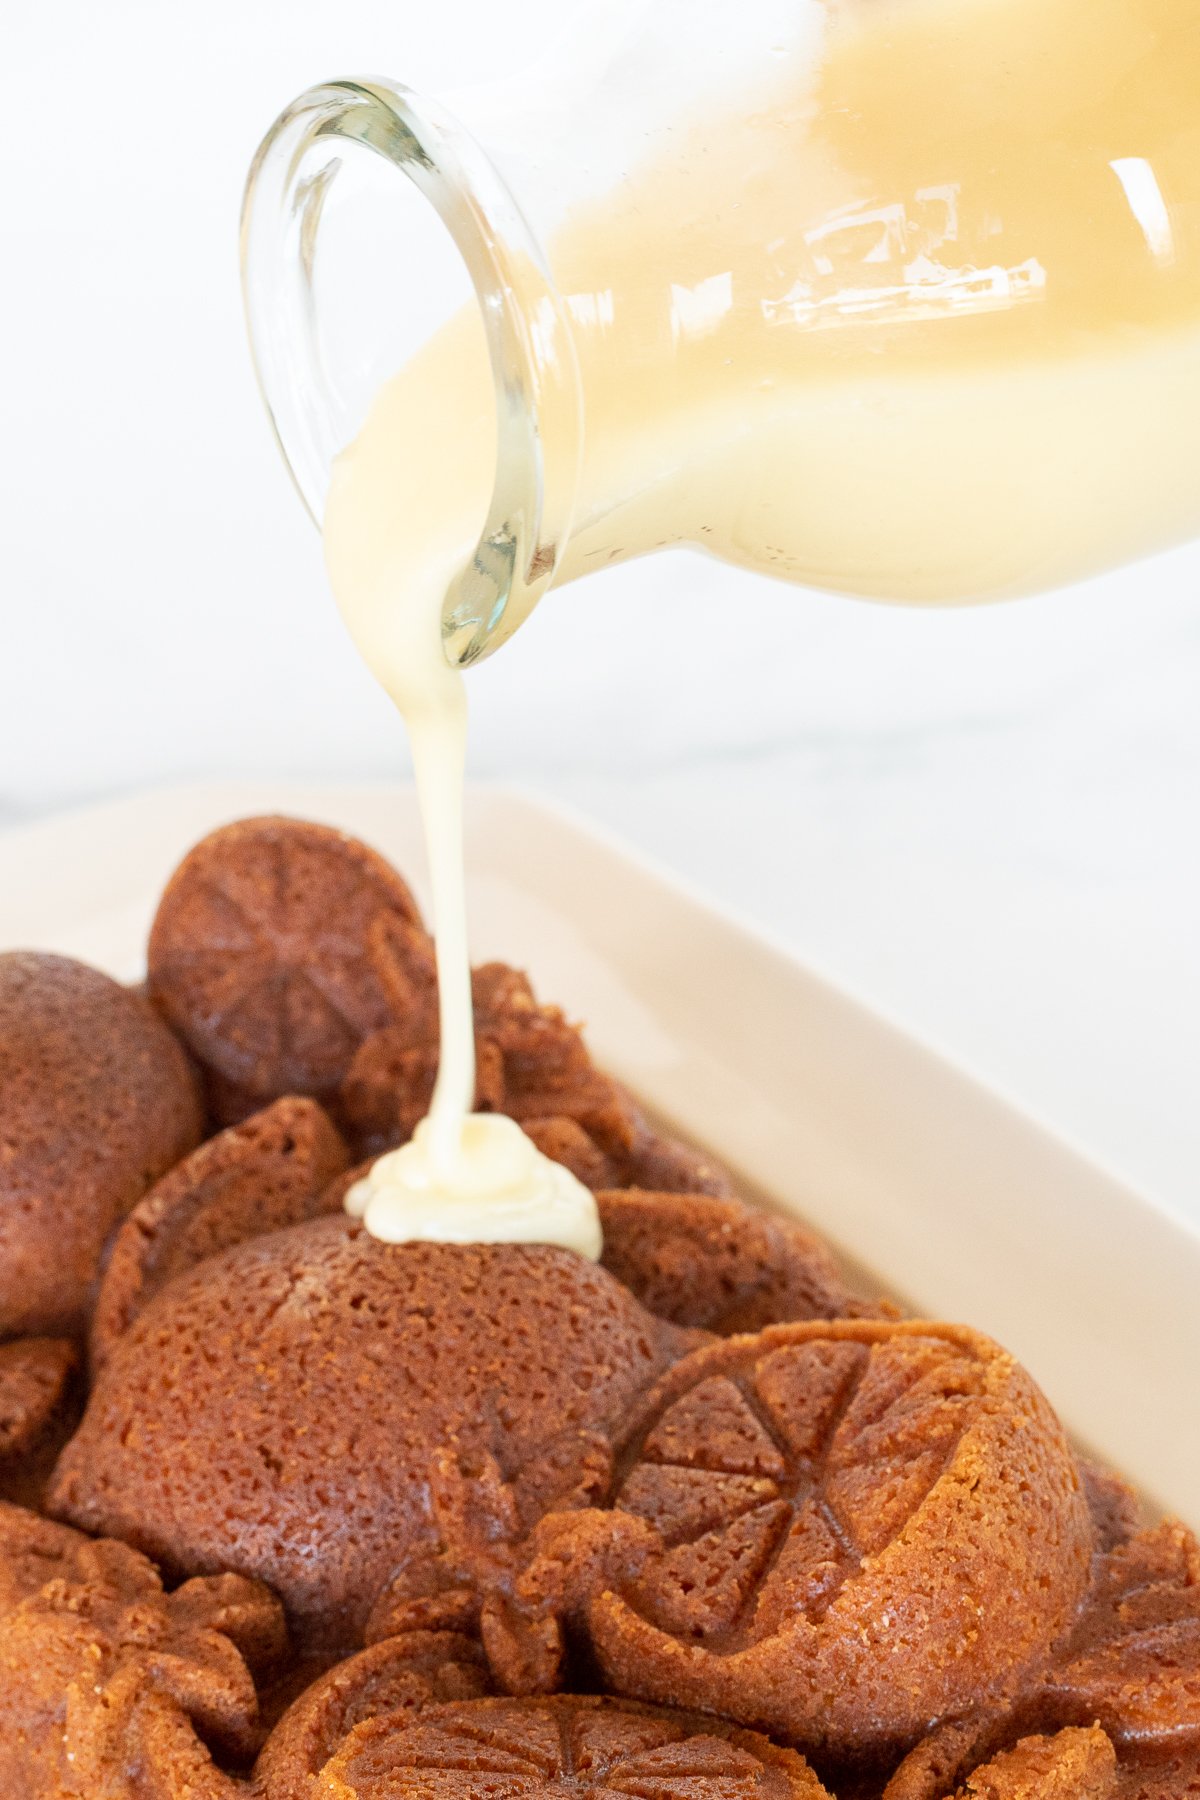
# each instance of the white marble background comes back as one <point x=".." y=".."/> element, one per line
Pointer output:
<point x="986" y="823"/>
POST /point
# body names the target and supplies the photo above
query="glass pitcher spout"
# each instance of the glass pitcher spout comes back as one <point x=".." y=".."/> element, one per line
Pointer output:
<point x="327" y="326"/>
<point x="898" y="298"/>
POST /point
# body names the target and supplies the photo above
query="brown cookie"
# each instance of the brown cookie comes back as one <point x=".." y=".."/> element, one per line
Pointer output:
<point x="111" y="1687"/>
<point x="821" y="1531"/>
<point x="324" y="1411"/>
<point x="718" y="1263"/>
<point x="1072" y="1765"/>
<point x="531" y="1063"/>
<point x="553" y="1748"/>
<point x="35" y="1380"/>
<point x="98" y="1102"/>
<point x="274" y="1170"/>
<point x="278" y="947"/>
<point x="1074" y="1762"/>
<point x="1132" y="1661"/>
<point x="565" y="1142"/>
<point x="398" y="1676"/>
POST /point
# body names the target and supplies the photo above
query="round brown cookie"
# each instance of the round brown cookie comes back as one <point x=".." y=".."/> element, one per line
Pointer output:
<point x="718" y="1263"/>
<point x="568" y="1745"/>
<point x="1132" y="1661"/>
<point x="399" y="1675"/>
<point x="109" y="1686"/>
<point x="258" y="1177"/>
<point x="835" y="1532"/>
<point x="98" y="1102"/>
<point x="277" y="948"/>
<point x="329" y="1413"/>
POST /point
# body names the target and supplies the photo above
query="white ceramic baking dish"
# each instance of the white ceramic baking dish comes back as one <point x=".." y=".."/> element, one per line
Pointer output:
<point x="956" y="1201"/>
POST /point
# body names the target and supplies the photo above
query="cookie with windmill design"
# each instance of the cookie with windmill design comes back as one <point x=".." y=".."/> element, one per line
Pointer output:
<point x="278" y="947"/>
<point x="552" y="1749"/>
<point x="396" y="1676"/>
<point x="110" y="1685"/>
<point x="833" y="1532"/>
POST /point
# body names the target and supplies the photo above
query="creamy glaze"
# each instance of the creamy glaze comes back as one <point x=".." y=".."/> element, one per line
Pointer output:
<point x="500" y="1190"/>
<point x="464" y="1178"/>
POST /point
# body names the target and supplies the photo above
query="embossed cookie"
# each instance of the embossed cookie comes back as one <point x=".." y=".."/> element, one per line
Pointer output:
<point x="398" y="1675"/>
<point x="111" y="1687"/>
<point x="330" y="1413"/>
<point x="98" y="1102"/>
<point x="273" y="1170"/>
<point x="550" y="1750"/>
<point x="833" y="1532"/>
<point x="278" y="947"/>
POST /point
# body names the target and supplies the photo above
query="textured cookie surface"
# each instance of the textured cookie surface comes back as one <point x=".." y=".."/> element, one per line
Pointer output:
<point x="399" y="1675"/>
<point x="113" y="1689"/>
<point x="97" y="1102"/>
<point x="1132" y="1660"/>
<point x="331" y="1413"/>
<point x="273" y="953"/>
<point x="1073" y="1765"/>
<point x="718" y="1263"/>
<point x="561" y="1747"/>
<point x="833" y="1532"/>
<point x="273" y="1170"/>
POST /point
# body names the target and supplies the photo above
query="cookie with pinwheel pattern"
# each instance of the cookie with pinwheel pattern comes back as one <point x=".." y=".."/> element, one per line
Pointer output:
<point x="553" y="1749"/>
<point x="113" y="1687"/>
<point x="834" y="1532"/>
<point x="278" y="947"/>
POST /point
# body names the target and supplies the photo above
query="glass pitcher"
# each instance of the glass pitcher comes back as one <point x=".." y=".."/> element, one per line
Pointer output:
<point x="894" y="297"/>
